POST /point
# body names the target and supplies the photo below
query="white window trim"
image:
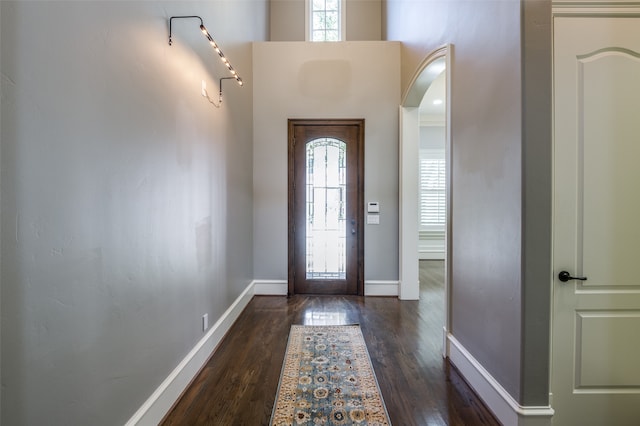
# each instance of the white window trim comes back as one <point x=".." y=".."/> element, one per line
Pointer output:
<point x="307" y="20"/>
<point x="433" y="230"/>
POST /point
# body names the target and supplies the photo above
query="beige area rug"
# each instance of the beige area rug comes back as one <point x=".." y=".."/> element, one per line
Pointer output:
<point x="327" y="379"/>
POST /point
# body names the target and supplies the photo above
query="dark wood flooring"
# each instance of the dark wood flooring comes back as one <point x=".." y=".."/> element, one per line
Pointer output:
<point x="404" y="338"/>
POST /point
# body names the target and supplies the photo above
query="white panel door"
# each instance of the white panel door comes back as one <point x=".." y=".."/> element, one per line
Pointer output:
<point x="596" y="323"/>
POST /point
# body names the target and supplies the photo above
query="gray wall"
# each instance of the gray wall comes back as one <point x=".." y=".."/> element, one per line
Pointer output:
<point x="0" y="220"/>
<point x="537" y="184"/>
<point x="500" y="142"/>
<point x="126" y="198"/>
<point x="325" y="80"/>
<point x="286" y="21"/>
<point x="363" y="20"/>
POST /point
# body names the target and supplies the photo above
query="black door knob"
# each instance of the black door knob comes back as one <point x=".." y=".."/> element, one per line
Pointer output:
<point x="564" y="276"/>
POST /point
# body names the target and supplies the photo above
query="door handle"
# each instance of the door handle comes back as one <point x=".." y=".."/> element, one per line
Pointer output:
<point x="353" y="231"/>
<point x="564" y="276"/>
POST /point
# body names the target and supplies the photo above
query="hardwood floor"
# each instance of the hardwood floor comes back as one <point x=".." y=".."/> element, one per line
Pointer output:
<point x="404" y="338"/>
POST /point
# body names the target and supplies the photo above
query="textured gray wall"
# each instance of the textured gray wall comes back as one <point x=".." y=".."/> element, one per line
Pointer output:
<point x="0" y="220"/>
<point x="286" y="22"/>
<point x="364" y="20"/>
<point x="126" y="198"/>
<point x="537" y="187"/>
<point x="494" y="196"/>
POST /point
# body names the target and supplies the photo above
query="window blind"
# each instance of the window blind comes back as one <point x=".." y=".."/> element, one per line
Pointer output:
<point x="432" y="192"/>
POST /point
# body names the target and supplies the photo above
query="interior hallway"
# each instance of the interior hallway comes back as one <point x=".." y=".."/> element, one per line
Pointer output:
<point x="238" y="384"/>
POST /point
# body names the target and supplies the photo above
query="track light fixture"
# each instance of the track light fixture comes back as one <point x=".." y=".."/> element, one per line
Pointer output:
<point x="213" y="44"/>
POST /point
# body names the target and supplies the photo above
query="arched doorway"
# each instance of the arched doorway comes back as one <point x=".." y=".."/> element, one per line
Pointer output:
<point x="431" y="67"/>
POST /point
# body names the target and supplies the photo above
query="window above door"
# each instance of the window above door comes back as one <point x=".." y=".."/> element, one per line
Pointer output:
<point x="325" y="20"/>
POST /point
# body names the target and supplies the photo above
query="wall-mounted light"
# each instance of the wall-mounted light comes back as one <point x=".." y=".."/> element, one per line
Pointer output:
<point x="213" y="44"/>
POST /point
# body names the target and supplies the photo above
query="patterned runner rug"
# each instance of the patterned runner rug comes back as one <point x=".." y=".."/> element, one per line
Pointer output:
<point x="327" y="379"/>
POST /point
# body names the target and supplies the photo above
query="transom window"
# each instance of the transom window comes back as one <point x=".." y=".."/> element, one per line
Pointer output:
<point x="325" y="19"/>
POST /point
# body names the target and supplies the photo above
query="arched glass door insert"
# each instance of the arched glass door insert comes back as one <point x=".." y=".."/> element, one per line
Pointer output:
<point x="326" y="209"/>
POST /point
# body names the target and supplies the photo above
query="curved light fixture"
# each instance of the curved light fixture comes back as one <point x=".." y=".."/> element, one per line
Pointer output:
<point x="213" y="44"/>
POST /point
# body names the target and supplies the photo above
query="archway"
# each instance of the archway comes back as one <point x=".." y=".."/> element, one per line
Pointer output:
<point x="430" y="68"/>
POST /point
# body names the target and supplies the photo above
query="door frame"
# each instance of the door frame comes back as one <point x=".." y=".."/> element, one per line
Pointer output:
<point x="559" y="262"/>
<point x="408" y="181"/>
<point x="291" y="255"/>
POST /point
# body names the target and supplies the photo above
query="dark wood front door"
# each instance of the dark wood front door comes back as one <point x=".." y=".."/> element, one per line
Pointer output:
<point x="326" y="206"/>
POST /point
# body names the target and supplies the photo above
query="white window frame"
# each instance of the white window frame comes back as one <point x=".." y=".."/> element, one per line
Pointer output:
<point x="308" y="11"/>
<point x="433" y="154"/>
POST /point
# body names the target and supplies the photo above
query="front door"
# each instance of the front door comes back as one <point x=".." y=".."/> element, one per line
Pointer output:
<point x="326" y="206"/>
<point x="596" y="314"/>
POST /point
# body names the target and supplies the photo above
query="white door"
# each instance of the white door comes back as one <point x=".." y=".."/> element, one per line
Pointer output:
<point x="596" y="323"/>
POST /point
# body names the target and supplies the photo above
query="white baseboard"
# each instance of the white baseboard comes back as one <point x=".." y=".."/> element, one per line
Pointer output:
<point x="503" y="406"/>
<point x="446" y="350"/>
<point x="279" y="288"/>
<point x="381" y="288"/>
<point x="161" y="401"/>
<point x="270" y="287"/>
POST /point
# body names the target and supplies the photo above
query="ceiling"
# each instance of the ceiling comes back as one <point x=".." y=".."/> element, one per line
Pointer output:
<point x="430" y="109"/>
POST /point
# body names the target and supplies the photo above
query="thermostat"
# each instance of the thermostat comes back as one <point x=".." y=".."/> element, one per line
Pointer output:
<point x="373" y="207"/>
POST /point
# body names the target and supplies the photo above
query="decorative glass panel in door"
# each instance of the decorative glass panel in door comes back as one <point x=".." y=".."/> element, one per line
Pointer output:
<point x="326" y="204"/>
<point x="326" y="210"/>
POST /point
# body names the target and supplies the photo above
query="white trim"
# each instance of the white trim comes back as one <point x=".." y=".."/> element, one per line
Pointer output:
<point x="425" y="234"/>
<point x="307" y="21"/>
<point x="432" y="121"/>
<point x="411" y="98"/>
<point x="595" y="8"/>
<point x="280" y="288"/>
<point x="448" y="155"/>
<point x="431" y="245"/>
<point x="381" y="288"/>
<point x="409" y="129"/>
<point x="507" y="410"/>
<point x="343" y="20"/>
<point x="160" y="402"/>
<point x="270" y="287"/>
<point x="409" y="207"/>
<point x="446" y="351"/>
<point x="431" y="254"/>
